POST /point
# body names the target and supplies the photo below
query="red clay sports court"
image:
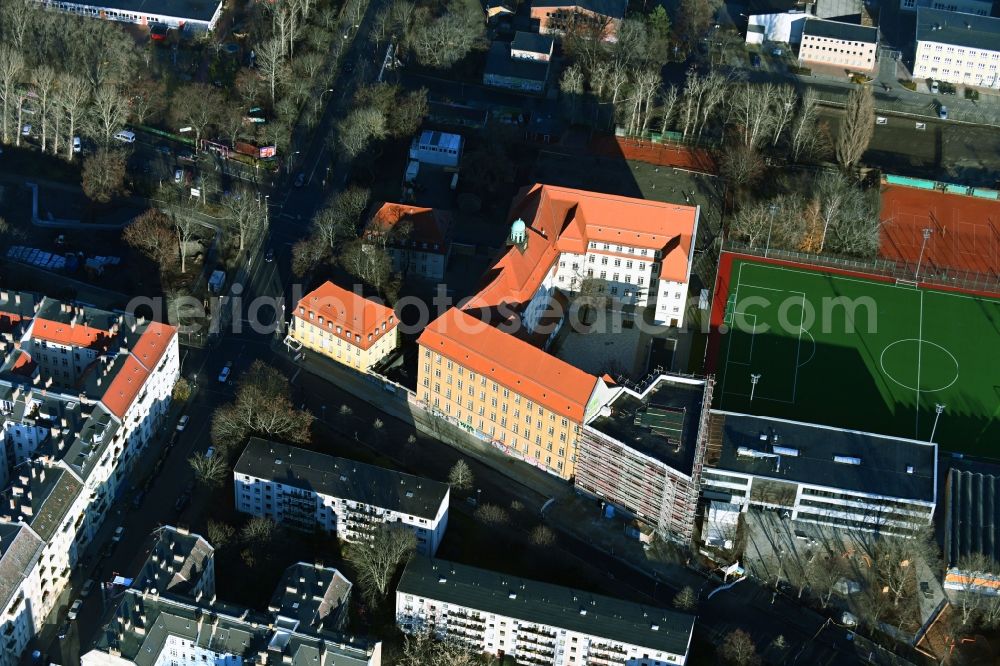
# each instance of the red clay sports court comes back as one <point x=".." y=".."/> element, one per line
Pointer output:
<point x="965" y="230"/>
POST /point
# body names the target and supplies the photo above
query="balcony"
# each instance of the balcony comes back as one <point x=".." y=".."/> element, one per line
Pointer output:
<point x="536" y="631"/>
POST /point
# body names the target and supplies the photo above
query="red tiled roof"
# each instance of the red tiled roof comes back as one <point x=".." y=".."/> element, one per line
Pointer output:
<point x="125" y="387"/>
<point x="429" y="226"/>
<point x="356" y="315"/>
<point x="153" y="343"/>
<point x="71" y="335"/>
<point x="511" y="362"/>
<point x="139" y="365"/>
<point x="561" y="219"/>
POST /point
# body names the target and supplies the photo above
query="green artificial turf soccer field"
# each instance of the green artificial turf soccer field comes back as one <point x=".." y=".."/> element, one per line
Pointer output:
<point x="882" y="369"/>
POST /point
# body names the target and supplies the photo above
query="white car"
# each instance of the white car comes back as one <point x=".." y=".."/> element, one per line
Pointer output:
<point x="119" y="533"/>
<point x="26" y="130"/>
<point x="934" y="87"/>
<point x="76" y="144"/>
<point x="178" y="176"/>
<point x="943" y="113"/>
<point x="182" y="423"/>
<point x="74" y="610"/>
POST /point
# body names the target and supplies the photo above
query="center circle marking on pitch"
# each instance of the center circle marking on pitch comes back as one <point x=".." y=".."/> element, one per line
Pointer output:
<point x="937" y="363"/>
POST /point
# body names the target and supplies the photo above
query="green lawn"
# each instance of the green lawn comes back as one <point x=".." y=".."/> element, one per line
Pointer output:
<point x="864" y="355"/>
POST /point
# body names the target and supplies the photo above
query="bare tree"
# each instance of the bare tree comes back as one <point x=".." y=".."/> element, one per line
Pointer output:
<point x="211" y="471"/>
<point x="784" y="103"/>
<point x="750" y="109"/>
<point x="11" y="67"/>
<point x="441" y="41"/>
<point x="263" y="406"/>
<point x="186" y="229"/>
<point x="460" y="476"/>
<point x="571" y="87"/>
<point x="360" y="128"/>
<point x="247" y="216"/>
<point x="858" y="127"/>
<point x="271" y="64"/>
<point x="542" y="536"/>
<point x="152" y="234"/>
<point x="685" y="599"/>
<point x="492" y="514"/>
<point x="44" y="82"/>
<point x="73" y="96"/>
<point x="220" y="534"/>
<point x="742" y="164"/>
<point x="376" y="560"/>
<point x="804" y="133"/>
<point x="103" y="176"/>
<point x="16" y="17"/>
<point x="109" y="112"/>
<point x="668" y="108"/>
<point x="751" y="222"/>
<point x="258" y="531"/>
<point x="738" y="648"/>
<point x="198" y="105"/>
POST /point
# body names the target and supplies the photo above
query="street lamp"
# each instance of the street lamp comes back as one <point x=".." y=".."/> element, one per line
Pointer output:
<point x="938" y="409"/>
<point x="754" y="378"/>
<point x="927" y="234"/>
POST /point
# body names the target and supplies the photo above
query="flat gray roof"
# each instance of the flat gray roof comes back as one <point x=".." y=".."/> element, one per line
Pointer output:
<point x="969" y="30"/>
<point x="825" y="456"/>
<point x="547" y="604"/>
<point x="341" y="477"/>
<point x="837" y="30"/>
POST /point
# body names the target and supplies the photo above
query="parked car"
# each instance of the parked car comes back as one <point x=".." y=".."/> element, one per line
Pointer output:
<point x="269" y="255"/>
<point x="224" y="373"/>
<point x="943" y="113"/>
<point x="178" y="176"/>
<point x="74" y="610"/>
<point x="119" y="533"/>
<point x="26" y="130"/>
<point x="777" y="52"/>
<point x="925" y="589"/>
<point x="125" y="136"/>
<point x="210" y="452"/>
<point x="77" y="147"/>
<point x="182" y="423"/>
<point x="163" y="148"/>
<point x="934" y="87"/>
<point x="186" y="156"/>
<point x="755" y="60"/>
<point x="63" y="630"/>
<point x="88" y="585"/>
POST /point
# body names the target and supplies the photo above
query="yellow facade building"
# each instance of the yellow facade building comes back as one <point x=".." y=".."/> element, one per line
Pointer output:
<point x="344" y="326"/>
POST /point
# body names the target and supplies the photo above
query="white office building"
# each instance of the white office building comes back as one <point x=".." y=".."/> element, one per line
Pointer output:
<point x="190" y="15"/>
<point x="844" y="478"/>
<point x="959" y="48"/>
<point x="305" y="490"/>
<point x="536" y="623"/>
<point x="82" y="392"/>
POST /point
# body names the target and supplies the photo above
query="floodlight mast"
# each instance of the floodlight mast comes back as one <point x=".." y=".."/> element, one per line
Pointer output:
<point x="938" y="409"/>
<point x="754" y="378"/>
<point x="923" y="246"/>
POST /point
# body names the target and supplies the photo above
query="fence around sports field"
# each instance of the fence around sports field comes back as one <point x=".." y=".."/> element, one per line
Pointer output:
<point x="957" y="280"/>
